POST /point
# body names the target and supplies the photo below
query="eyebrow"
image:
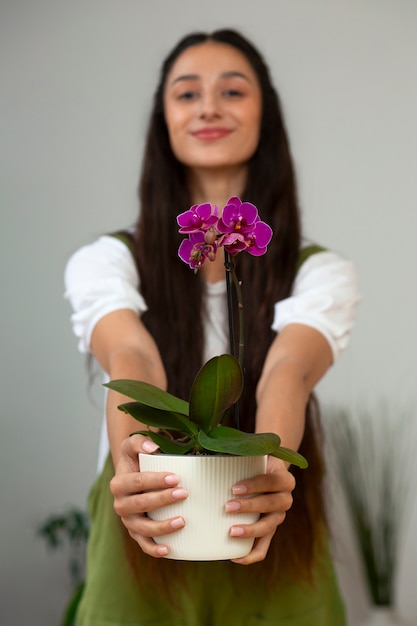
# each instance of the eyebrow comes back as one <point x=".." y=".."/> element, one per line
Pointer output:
<point x="230" y="74"/>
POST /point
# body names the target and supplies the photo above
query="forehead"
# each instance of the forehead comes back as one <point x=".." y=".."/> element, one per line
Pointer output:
<point x="210" y="60"/>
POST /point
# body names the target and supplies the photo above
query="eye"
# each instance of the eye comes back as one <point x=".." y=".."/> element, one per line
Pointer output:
<point x="233" y="93"/>
<point x="187" y="95"/>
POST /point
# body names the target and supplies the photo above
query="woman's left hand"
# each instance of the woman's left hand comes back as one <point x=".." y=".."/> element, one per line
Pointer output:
<point x="274" y="498"/>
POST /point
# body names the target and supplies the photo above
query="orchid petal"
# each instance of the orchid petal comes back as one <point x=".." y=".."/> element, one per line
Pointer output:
<point x="255" y="251"/>
<point x="199" y="217"/>
<point x="239" y="216"/>
<point x="183" y="218"/>
<point x="204" y="211"/>
<point x="249" y="212"/>
<point x="184" y="251"/>
<point x="231" y="238"/>
<point x="262" y="234"/>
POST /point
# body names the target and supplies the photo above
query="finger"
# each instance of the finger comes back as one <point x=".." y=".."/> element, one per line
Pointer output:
<point x="265" y="525"/>
<point x="148" y="546"/>
<point x="258" y="552"/>
<point x="142" y="530"/>
<point x="276" y="465"/>
<point x="123" y="484"/>
<point x="265" y="503"/>
<point x="130" y="448"/>
<point x="142" y="526"/>
<point x="138" y="503"/>
<point x="264" y="483"/>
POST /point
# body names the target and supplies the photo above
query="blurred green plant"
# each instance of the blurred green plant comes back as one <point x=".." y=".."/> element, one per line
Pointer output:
<point x="373" y="451"/>
<point x="70" y="528"/>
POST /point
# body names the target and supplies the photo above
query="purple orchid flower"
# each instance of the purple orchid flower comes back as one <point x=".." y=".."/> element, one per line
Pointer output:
<point x="199" y="217"/>
<point x="239" y="229"/>
<point x="242" y="228"/>
<point x="238" y="217"/>
<point x="257" y="241"/>
<point x="195" y="250"/>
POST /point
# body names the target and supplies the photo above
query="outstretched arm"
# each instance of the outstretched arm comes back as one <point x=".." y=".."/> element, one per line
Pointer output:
<point x="125" y="349"/>
<point x="296" y="361"/>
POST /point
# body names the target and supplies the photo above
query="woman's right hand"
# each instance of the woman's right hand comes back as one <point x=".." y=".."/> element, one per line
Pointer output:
<point x="136" y="493"/>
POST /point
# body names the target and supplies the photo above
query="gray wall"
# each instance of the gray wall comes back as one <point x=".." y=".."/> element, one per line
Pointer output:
<point x="76" y="84"/>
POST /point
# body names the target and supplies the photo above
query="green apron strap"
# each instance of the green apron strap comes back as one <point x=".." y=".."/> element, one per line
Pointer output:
<point x="125" y="237"/>
<point x="307" y="252"/>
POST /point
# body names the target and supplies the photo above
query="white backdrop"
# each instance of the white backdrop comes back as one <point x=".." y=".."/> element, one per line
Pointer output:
<point x="76" y="82"/>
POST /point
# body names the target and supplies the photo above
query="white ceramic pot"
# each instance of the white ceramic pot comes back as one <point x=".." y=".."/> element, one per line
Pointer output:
<point x="208" y="480"/>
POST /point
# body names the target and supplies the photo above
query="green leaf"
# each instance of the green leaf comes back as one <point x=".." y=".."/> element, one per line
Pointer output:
<point x="149" y="395"/>
<point x="72" y="606"/>
<point x="291" y="456"/>
<point x="217" y="386"/>
<point x="232" y="441"/>
<point x="166" y="420"/>
<point x="168" y="446"/>
<point x="227" y="440"/>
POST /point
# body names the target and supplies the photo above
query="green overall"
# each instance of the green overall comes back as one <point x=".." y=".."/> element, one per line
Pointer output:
<point x="112" y="597"/>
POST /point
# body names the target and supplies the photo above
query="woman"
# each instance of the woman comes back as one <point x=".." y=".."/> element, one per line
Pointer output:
<point x="216" y="131"/>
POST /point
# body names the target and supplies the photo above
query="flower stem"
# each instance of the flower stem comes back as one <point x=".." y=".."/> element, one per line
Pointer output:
<point x="229" y="268"/>
<point x="238" y="287"/>
<point x="231" y="273"/>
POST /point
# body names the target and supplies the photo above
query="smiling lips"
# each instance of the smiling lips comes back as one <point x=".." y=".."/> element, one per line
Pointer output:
<point x="210" y="133"/>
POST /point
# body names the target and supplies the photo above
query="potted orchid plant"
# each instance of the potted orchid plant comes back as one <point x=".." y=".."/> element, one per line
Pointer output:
<point x="189" y="431"/>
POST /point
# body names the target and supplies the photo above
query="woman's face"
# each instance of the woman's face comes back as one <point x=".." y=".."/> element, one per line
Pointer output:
<point x="213" y="107"/>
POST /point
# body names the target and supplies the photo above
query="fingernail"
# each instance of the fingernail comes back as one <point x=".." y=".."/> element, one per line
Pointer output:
<point x="239" y="489"/>
<point x="177" y="522"/>
<point x="149" y="446"/>
<point x="162" y="551"/>
<point x="237" y="531"/>
<point x="171" y="480"/>
<point x="233" y="505"/>
<point x="179" y="494"/>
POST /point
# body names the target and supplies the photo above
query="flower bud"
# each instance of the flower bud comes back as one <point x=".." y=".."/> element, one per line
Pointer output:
<point x="211" y="254"/>
<point x="210" y="235"/>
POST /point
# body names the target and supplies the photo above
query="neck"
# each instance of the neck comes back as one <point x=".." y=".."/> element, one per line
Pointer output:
<point x="216" y="186"/>
<point x="214" y="271"/>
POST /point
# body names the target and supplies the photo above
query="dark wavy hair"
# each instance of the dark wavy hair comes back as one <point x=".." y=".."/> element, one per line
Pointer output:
<point x="174" y="294"/>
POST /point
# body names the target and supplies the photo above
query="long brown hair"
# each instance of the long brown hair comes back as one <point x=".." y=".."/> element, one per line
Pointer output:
<point x="174" y="294"/>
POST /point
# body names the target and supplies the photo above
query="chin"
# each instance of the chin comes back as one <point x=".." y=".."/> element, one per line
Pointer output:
<point x="213" y="161"/>
<point x="216" y="154"/>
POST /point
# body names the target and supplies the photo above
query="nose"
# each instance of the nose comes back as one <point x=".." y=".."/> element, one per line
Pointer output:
<point x="210" y="106"/>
